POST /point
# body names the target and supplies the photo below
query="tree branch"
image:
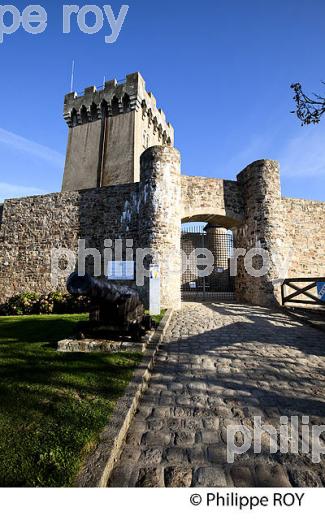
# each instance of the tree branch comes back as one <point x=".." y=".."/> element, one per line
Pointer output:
<point x="308" y="110"/>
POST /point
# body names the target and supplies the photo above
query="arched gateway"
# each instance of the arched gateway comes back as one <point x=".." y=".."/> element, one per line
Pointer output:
<point x="251" y="207"/>
<point x="211" y="210"/>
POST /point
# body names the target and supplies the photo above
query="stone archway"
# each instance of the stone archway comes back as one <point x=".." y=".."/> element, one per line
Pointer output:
<point x="251" y="206"/>
<point x="215" y="201"/>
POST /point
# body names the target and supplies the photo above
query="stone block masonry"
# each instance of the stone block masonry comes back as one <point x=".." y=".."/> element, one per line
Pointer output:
<point x="262" y="228"/>
<point x="304" y="222"/>
<point x="160" y="215"/>
<point x="150" y="213"/>
<point x="32" y="226"/>
<point x="211" y="200"/>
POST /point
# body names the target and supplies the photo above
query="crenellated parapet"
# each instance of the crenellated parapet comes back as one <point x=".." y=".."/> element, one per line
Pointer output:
<point x="118" y="98"/>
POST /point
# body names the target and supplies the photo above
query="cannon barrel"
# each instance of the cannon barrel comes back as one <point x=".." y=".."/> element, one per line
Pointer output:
<point x="101" y="289"/>
<point x="114" y="308"/>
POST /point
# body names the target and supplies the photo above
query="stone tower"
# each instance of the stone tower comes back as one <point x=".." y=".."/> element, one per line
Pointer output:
<point x="262" y="229"/>
<point x="109" y="129"/>
<point x="160" y="217"/>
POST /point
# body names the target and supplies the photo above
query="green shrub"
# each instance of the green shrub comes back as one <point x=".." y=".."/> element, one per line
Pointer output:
<point x="46" y="305"/>
<point x="24" y="303"/>
<point x="75" y="304"/>
<point x="52" y="303"/>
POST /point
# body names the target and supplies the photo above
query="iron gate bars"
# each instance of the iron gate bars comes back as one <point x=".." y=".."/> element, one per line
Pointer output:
<point x="219" y="284"/>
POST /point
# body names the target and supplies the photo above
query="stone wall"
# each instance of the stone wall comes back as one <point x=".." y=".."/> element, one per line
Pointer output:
<point x="82" y="159"/>
<point x="147" y="212"/>
<point x="33" y="226"/>
<point x="150" y="213"/>
<point x="118" y="150"/>
<point x="304" y="222"/>
<point x="211" y="200"/>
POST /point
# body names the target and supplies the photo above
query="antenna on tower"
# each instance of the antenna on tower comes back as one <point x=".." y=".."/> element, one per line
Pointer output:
<point x="72" y="76"/>
<point x="104" y="81"/>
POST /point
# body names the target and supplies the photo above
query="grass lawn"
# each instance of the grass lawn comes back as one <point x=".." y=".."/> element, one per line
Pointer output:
<point x="52" y="404"/>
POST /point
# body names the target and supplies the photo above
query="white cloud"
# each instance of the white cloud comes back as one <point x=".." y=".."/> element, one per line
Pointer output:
<point x="301" y="155"/>
<point x="12" y="191"/>
<point x="304" y="154"/>
<point x="30" y="147"/>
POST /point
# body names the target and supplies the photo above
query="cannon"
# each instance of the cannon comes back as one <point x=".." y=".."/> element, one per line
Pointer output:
<point x="113" y="309"/>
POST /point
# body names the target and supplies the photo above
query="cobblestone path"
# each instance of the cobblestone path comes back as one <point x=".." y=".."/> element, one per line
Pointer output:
<point x="221" y="365"/>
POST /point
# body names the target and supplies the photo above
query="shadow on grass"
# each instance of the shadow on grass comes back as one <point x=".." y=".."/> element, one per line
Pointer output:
<point x="53" y="405"/>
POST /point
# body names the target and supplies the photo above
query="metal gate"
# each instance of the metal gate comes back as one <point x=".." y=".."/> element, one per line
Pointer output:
<point x="218" y="285"/>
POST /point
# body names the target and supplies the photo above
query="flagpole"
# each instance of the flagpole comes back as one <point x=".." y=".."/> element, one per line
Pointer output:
<point x="72" y="76"/>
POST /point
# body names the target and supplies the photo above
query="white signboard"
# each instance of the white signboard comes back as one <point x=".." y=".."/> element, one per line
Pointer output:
<point x="154" y="290"/>
<point x="120" y="270"/>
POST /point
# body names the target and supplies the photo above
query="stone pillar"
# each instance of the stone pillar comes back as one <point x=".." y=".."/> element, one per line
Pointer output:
<point x="217" y="244"/>
<point x="263" y="228"/>
<point x="160" y="218"/>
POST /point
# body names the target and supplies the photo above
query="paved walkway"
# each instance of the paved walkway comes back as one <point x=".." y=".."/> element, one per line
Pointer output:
<point x="221" y="365"/>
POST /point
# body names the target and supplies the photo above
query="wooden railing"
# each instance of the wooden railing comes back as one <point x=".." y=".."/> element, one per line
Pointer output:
<point x="299" y="292"/>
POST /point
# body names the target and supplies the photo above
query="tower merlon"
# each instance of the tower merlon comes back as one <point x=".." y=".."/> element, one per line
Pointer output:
<point x="118" y="97"/>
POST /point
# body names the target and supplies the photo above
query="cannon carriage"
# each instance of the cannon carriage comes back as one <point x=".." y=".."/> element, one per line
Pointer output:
<point x="114" y="309"/>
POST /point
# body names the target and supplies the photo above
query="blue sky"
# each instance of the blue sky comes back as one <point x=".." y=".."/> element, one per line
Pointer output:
<point x="220" y="69"/>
